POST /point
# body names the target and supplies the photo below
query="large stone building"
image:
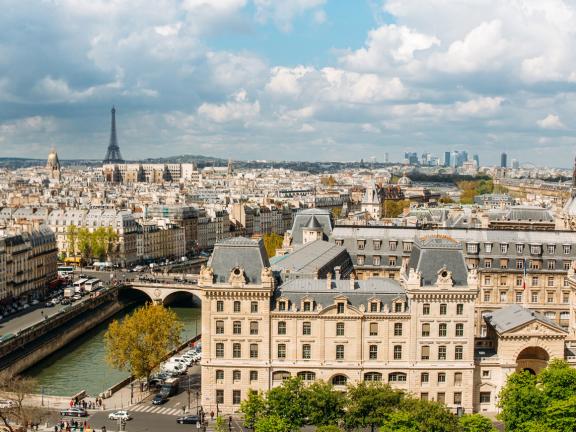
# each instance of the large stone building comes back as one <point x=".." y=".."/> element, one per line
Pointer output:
<point x="28" y="265"/>
<point x="415" y="331"/>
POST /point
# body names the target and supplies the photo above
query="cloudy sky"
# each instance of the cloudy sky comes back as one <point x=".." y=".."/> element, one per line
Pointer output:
<point x="290" y="79"/>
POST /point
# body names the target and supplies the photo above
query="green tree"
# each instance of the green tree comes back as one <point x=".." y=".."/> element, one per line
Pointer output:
<point x="220" y="425"/>
<point x="326" y="405"/>
<point x="370" y="403"/>
<point x="253" y="408"/>
<point x="558" y="380"/>
<point x="272" y="423"/>
<point x="142" y="339"/>
<point x="560" y="415"/>
<point x="84" y="243"/>
<point x="476" y="423"/>
<point x="520" y="400"/>
<point x="72" y="239"/>
<point x="336" y="212"/>
<point x="417" y="415"/>
<point x="328" y="428"/>
<point x="394" y="208"/>
<point x="290" y="402"/>
<point x="272" y="242"/>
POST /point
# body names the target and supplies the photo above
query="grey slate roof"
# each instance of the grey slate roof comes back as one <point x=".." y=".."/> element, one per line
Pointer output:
<point x="302" y="219"/>
<point x="431" y="254"/>
<point x="247" y="254"/>
<point x="310" y="257"/>
<point x="513" y="316"/>
<point x="386" y="290"/>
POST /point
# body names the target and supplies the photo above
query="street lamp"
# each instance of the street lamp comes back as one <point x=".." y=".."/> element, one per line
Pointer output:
<point x="42" y="392"/>
<point x="197" y="404"/>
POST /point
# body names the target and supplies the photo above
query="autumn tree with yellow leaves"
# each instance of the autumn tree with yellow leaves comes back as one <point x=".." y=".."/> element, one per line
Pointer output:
<point x="140" y="341"/>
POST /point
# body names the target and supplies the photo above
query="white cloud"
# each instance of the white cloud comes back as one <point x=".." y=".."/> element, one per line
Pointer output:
<point x="238" y="109"/>
<point x="283" y="12"/>
<point x="551" y="121"/>
<point x="479" y="106"/>
<point x="388" y="46"/>
<point x="482" y="48"/>
<point x="285" y="81"/>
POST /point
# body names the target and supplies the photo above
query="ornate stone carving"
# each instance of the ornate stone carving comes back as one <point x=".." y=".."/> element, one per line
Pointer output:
<point x="206" y="275"/>
<point x="414" y="277"/>
<point x="473" y="278"/>
<point x="444" y="278"/>
<point x="237" y="277"/>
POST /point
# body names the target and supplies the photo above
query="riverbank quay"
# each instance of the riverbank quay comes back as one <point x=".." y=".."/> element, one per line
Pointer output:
<point x="32" y="344"/>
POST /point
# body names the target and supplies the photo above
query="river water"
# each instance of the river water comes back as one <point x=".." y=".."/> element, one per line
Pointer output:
<point x="81" y="365"/>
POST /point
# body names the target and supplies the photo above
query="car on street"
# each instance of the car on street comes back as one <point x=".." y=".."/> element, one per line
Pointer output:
<point x="159" y="399"/>
<point x="189" y="419"/>
<point x="74" y="412"/>
<point x="119" y="415"/>
<point x="49" y="304"/>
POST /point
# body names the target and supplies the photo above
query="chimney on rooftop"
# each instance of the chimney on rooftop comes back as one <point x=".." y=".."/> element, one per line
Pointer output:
<point x="337" y="270"/>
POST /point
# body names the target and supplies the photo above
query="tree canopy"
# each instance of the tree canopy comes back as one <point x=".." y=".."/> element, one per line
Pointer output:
<point x="100" y="243"/>
<point x="546" y="401"/>
<point x="142" y="339"/>
<point x="272" y="242"/>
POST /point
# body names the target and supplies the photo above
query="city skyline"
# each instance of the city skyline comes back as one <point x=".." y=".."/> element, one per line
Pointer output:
<point x="278" y="80"/>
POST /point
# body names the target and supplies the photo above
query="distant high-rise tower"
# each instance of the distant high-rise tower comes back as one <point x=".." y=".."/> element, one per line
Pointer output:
<point x="476" y="159"/>
<point x="113" y="153"/>
<point x="447" y="159"/>
<point x="503" y="160"/>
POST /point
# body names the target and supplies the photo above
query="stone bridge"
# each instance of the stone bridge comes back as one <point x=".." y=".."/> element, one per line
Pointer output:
<point x="159" y="289"/>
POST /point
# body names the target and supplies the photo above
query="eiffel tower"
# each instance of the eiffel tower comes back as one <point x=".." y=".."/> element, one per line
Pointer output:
<point x="113" y="155"/>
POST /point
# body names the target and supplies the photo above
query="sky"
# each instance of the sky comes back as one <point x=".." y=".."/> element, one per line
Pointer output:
<point x="316" y="80"/>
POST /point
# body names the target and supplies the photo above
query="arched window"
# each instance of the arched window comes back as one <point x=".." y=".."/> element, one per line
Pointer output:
<point x="236" y="350"/>
<point x="372" y="376"/>
<point x="426" y="329"/>
<point x="459" y="329"/>
<point x="397" y="352"/>
<point x="397" y="377"/>
<point x="280" y="375"/>
<point x="339" y="380"/>
<point x="307" y="376"/>
<point x="237" y="327"/>
<point x="443" y="330"/>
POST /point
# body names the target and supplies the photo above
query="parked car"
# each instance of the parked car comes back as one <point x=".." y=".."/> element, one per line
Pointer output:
<point x="159" y="399"/>
<point x="49" y="304"/>
<point x="119" y="415"/>
<point x="190" y="419"/>
<point x="74" y="412"/>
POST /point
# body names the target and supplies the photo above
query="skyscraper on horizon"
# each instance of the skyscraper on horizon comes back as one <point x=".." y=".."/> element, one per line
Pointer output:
<point x="113" y="153"/>
<point x="503" y="160"/>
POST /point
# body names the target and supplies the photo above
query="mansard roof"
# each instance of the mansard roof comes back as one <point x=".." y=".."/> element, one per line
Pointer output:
<point x="303" y="218"/>
<point x="240" y="252"/>
<point x="431" y="254"/>
<point x="324" y="292"/>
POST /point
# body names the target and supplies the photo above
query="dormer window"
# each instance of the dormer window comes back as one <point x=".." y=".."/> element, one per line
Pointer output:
<point x="340" y="308"/>
<point x="398" y="307"/>
<point x="407" y="247"/>
<point x="535" y="249"/>
<point x="472" y="248"/>
<point x="377" y="244"/>
<point x="519" y="248"/>
<point x="392" y="245"/>
<point x="504" y="248"/>
<point x="282" y="306"/>
<point x="551" y="249"/>
<point x="339" y="242"/>
<point x="488" y="247"/>
<point x="307" y="306"/>
<point x="373" y="306"/>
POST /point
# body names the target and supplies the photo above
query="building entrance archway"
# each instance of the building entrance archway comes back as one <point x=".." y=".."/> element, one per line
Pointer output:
<point x="532" y="359"/>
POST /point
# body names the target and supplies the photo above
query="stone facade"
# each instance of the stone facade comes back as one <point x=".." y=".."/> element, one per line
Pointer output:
<point x="416" y="332"/>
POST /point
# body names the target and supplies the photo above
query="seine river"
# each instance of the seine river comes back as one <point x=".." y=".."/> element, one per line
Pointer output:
<point x="81" y="365"/>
